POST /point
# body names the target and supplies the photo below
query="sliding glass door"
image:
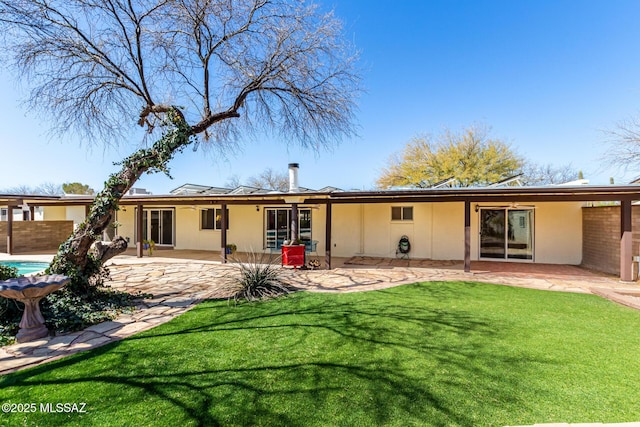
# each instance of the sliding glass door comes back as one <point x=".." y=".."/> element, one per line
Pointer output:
<point x="158" y="225"/>
<point x="506" y="233"/>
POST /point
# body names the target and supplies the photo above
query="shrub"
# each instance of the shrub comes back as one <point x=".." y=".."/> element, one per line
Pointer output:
<point x="258" y="279"/>
<point x="7" y="272"/>
<point x="66" y="311"/>
<point x="10" y="311"/>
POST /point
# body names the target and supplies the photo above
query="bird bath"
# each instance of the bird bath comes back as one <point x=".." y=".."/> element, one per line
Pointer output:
<point x="29" y="291"/>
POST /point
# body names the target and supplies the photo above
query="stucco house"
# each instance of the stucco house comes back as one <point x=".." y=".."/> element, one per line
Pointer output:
<point x="505" y="224"/>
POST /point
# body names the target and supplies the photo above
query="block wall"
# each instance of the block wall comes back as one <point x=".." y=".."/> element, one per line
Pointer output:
<point x="601" y="237"/>
<point x="33" y="236"/>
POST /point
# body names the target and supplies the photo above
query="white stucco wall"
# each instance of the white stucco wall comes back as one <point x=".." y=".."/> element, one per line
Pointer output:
<point x="557" y="232"/>
<point x="126" y="220"/>
<point x="54" y="213"/>
<point x="75" y="214"/>
<point x="436" y="231"/>
<point x="558" y="236"/>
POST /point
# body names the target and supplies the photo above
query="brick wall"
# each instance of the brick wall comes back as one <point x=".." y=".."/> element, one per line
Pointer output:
<point x="601" y="237"/>
<point x="33" y="236"/>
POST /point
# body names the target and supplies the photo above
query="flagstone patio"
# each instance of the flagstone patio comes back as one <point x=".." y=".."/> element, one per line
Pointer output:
<point x="177" y="283"/>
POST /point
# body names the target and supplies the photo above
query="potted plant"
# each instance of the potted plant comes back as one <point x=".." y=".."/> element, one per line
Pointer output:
<point x="231" y="248"/>
<point x="150" y="245"/>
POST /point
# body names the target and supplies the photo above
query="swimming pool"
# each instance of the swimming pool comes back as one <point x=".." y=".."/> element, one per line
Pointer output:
<point x="26" y="267"/>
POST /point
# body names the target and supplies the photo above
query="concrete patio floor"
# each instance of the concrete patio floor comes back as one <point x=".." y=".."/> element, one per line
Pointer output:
<point x="180" y="279"/>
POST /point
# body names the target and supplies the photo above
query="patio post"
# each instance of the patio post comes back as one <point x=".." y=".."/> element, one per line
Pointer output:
<point x="139" y="239"/>
<point x="626" y="254"/>
<point x="327" y="238"/>
<point x="467" y="236"/>
<point x="223" y="232"/>
<point x="294" y="222"/>
<point x="10" y="230"/>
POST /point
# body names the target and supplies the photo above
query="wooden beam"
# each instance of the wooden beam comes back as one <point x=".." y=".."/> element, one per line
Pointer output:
<point x="467" y="236"/>
<point x="294" y="223"/>
<point x="10" y="230"/>
<point x="327" y="239"/>
<point x="139" y="239"/>
<point x="223" y="232"/>
<point x="626" y="254"/>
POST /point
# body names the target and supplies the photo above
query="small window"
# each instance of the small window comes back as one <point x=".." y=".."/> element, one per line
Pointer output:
<point x="211" y="219"/>
<point x="402" y="213"/>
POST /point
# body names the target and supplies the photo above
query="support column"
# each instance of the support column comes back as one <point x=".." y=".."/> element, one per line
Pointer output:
<point x="327" y="238"/>
<point x="626" y="254"/>
<point x="32" y="213"/>
<point x="223" y="232"/>
<point x="294" y="223"/>
<point x="467" y="236"/>
<point x="10" y="230"/>
<point x="139" y="242"/>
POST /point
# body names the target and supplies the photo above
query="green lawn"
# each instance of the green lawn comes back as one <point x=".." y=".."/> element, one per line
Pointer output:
<point x="437" y="354"/>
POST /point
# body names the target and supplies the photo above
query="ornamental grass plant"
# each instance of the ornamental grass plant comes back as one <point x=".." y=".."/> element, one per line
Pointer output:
<point x="258" y="278"/>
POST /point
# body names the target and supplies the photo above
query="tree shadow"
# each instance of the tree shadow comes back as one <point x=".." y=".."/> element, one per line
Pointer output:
<point x="386" y="357"/>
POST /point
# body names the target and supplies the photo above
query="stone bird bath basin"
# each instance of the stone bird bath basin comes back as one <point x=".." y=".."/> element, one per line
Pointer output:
<point x="30" y="290"/>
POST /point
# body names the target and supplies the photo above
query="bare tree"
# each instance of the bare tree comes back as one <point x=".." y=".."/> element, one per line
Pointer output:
<point x="624" y="145"/>
<point x="233" y="181"/>
<point x="237" y="67"/>
<point x="271" y="180"/>
<point x="535" y="174"/>
<point x="46" y="189"/>
<point x="21" y="189"/>
<point x="50" y="189"/>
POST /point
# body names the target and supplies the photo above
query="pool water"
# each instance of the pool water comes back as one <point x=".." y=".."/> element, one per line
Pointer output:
<point x="26" y="267"/>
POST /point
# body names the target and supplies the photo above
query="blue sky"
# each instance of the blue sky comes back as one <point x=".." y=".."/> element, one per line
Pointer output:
<point x="546" y="76"/>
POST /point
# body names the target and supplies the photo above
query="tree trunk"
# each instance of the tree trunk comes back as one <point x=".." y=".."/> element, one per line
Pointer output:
<point x="75" y="257"/>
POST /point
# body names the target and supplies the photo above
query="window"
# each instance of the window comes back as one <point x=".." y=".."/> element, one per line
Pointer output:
<point x="3" y="214"/>
<point x="278" y="226"/>
<point x="211" y="219"/>
<point x="402" y="213"/>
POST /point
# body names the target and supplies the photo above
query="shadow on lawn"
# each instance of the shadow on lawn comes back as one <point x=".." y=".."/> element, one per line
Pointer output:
<point x="396" y="357"/>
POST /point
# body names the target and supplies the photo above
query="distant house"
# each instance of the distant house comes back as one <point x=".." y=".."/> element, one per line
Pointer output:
<point x="511" y="224"/>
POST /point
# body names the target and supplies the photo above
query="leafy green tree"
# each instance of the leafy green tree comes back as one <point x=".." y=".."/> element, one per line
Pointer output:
<point x="77" y="188"/>
<point x="235" y="67"/>
<point x="470" y="157"/>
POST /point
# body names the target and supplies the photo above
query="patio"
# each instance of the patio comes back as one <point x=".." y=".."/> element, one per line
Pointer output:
<point x="178" y="279"/>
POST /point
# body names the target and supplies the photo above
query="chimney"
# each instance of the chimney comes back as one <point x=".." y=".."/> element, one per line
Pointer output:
<point x="293" y="177"/>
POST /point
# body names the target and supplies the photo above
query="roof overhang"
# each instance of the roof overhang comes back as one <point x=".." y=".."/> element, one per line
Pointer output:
<point x="582" y="193"/>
